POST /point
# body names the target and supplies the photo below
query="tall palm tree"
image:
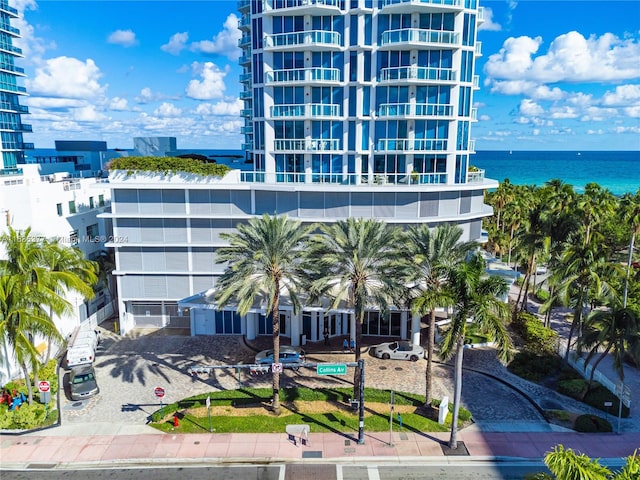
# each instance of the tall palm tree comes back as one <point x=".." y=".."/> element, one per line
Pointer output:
<point x="615" y="330"/>
<point x="433" y="251"/>
<point x="265" y="259"/>
<point x="631" y="215"/>
<point x="477" y="298"/>
<point x="360" y="262"/>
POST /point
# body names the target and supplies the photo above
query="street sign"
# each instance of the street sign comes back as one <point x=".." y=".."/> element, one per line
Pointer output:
<point x="43" y="386"/>
<point x="159" y="391"/>
<point x="276" y="367"/>
<point x="331" y="369"/>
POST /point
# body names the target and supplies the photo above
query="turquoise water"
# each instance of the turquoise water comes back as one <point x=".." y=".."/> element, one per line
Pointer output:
<point x="617" y="171"/>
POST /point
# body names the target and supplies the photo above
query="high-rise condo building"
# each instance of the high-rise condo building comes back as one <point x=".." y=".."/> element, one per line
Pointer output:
<point x="353" y="108"/>
<point x="12" y="145"/>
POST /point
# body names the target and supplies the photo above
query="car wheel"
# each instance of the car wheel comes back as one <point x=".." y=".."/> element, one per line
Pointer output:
<point x="386" y="356"/>
<point x="414" y="358"/>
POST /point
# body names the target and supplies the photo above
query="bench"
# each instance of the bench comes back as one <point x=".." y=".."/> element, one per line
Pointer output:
<point x="301" y="431"/>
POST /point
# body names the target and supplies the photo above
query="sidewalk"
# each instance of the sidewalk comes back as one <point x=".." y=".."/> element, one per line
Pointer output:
<point x="68" y="447"/>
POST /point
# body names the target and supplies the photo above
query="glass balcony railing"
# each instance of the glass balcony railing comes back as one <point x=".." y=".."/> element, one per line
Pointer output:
<point x="279" y="4"/>
<point x="244" y="4"/>
<point x="4" y="5"/>
<point x="478" y="49"/>
<point x="355" y="179"/>
<point x="245" y="22"/>
<point x="10" y="49"/>
<point x="415" y="110"/>
<point x="303" y="145"/>
<point x="246" y="58"/>
<point x="245" y="77"/>
<point x="404" y="144"/>
<point x="244" y="41"/>
<point x="416" y="73"/>
<point x="443" y="3"/>
<point x="475" y="177"/>
<point x="28" y="146"/>
<point x="246" y="112"/>
<point x="246" y="94"/>
<point x="5" y="27"/>
<point x="308" y="110"/>
<point x="420" y="36"/>
<point x="476" y="82"/>
<point x="298" y="39"/>
<point x="303" y="75"/>
<point x="247" y="130"/>
<point x="14" y="107"/>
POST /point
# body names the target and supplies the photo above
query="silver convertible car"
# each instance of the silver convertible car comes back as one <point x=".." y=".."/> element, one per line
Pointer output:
<point x="398" y="351"/>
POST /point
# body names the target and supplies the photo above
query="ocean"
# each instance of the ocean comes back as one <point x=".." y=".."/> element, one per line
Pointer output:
<point x="618" y="172"/>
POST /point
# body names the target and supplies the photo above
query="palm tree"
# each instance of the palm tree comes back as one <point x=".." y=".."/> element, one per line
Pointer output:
<point x="360" y="262"/>
<point x="433" y="251"/>
<point x="265" y="259"/>
<point x="631" y="214"/>
<point x="565" y="464"/>
<point x="617" y="331"/>
<point x="477" y="298"/>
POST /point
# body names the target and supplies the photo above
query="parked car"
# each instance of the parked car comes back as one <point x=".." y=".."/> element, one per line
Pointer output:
<point x="288" y="354"/>
<point x="82" y="382"/>
<point x="541" y="269"/>
<point x="398" y="351"/>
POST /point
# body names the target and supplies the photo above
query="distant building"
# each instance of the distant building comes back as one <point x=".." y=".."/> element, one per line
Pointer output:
<point x="353" y="108"/>
<point x="12" y="145"/>
<point x="82" y="158"/>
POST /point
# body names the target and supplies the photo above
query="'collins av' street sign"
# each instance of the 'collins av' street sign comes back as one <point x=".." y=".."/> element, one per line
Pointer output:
<point x="331" y="369"/>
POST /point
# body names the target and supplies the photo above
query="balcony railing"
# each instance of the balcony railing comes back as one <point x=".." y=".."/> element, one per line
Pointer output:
<point x="245" y="40"/>
<point x="415" y="110"/>
<point x="478" y="49"/>
<point x="475" y="177"/>
<point x="245" y="22"/>
<point x="295" y="39"/>
<point x="307" y="110"/>
<point x="391" y="74"/>
<point x="246" y="130"/>
<point x="404" y="145"/>
<point x="280" y="4"/>
<point x="303" y="145"/>
<point x="9" y="29"/>
<point x="363" y="179"/>
<point x="246" y="112"/>
<point x="444" y="3"/>
<point x="244" y="4"/>
<point x="303" y="75"/>
<point x="245" y="77"/>
<point x="246" y="94"/>
<point x="476" y="82"/>
<point x="10" y="48"/>
<point x="416" y="35"/>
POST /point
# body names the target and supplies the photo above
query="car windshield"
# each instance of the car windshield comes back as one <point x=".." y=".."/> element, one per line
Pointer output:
<point x="82" y="378"/>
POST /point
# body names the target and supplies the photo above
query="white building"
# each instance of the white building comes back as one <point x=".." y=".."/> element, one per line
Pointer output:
<point x="353" y="108"/>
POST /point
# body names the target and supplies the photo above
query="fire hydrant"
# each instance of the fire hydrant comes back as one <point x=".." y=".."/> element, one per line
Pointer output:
<point x="176" y="423"/>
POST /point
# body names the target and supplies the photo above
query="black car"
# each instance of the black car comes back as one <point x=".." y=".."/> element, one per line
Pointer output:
<point x="82" y="382"/>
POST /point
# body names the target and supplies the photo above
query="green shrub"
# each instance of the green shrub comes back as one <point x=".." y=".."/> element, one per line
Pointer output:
<point x="575" y="388"/>
<point x="538" y="338"/>
<point x="534" y="367"/>
<point x="168" y="165"/>
<point x="592" y="424"/>
<point x="169" y="409"/>
<point x="599" y="395"/>
<point x="29" y="416"/>
<point x="558" y="414"/>
<point x="541" y="295"/>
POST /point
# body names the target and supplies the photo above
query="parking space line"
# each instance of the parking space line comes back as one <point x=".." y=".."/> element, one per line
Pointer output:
<point x="373" y="473"/>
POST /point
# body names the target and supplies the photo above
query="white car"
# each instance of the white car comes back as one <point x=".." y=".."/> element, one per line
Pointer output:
<point x="541" y="269"/>
<point x="398" y="351"/>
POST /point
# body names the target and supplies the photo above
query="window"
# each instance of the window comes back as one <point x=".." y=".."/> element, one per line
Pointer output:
<point x="72" y="206"/>
<point x="73" y="238"/>
<point x="59" y="209"/>
<point x="101" y="200"/>
<point x="91" y="203"/>
<point x="92" y="231"/>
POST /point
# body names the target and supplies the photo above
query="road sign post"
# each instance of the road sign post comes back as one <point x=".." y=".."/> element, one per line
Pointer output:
<point x="159" y="392"/>
<point x="391" y="418"/>
<point x="208" y="404"/>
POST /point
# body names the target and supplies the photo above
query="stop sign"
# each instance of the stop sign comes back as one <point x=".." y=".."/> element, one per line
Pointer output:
<point x="43" y="386"/>
<point x="159" y="391"/>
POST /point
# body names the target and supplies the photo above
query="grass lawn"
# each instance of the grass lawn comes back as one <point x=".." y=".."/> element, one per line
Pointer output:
<point x="324" y="410"/>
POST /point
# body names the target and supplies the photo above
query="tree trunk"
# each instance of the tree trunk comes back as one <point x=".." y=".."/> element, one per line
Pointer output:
<point x="626" y="280"/>
<point x="25" y="372"/>
<point x="593" y="367"/>
<point x="275" y="404"/>
<point x="430" y="344"/>
<point x="453" y="441"/>
<point x="576" y="316"/>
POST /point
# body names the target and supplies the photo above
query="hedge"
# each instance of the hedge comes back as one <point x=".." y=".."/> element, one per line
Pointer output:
<point x="166" y="165"/>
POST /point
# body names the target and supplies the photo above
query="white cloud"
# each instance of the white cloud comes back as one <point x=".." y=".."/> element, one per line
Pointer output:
<point x="67" y="77"/>
<point x="167" y="110"/>
<point x="484" y="118"/>
<point x="53" y="103"/>
<point x="145" y="96"/>
<point x="118" y="103"/>
<point x="631" y="129"/>
<point x="125" y="38"/>
<point x="489" y="24"/>
<point x="33" y="47"/>
<point x="87" y="114"/>
<point x="212" y="84"/>
<point x="622" y="96"/>
<point x="225" y="42"/>
<point x="530" y="108"/>
<point x="176" y="43"/>
<point x="570" y="58"/>
<point x="221" y="108"/>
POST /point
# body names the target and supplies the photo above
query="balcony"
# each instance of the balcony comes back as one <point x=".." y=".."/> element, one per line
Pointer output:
<point x="4" y="7"/>
<point x="476" y="176"/>
<point x="14" y="107"/>
<point x="245" y="22"/>
<point x="244" y="41"/>
<point x="12" y="69"/>
<point x="303" y="145"/>
<point x="246" y="130"/>
<point x="415" y="74"/>
<point x="478" y="49"/>
<point x="406" y="145"/>
<point x="247" y="146"/>
<point x="301" y="7"/>
<point x="409" y="6"/>
<point x="320" y="40"/>
<point x="246" y="112"/>
<point x="415" y="110"/>
<point x="308" y="75"/>
<point x="313" y="110"/>
<point x="28" y="146"/>
<point x="246" y="95"/>
<point x="357" y="179"/>
<point x="480" y="16"/>
<point x="476" y="82"/>
<point x="245" y="58"/>
<point x="5" y="47"/>
<point x="412" y="37"/>
<point x="244" y="5"/>
<point x="245" y="78"/>
<point x="6" y="28"/>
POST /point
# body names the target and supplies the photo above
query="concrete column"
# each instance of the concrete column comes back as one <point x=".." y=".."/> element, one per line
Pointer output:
<point x="296" y="328"/>
<point x="403" y="325"/>
<point x="415" y="329"/>
<point x="250" y="320"/>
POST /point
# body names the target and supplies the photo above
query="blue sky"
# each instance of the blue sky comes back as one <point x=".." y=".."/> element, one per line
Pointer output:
<point x="554" y="75"/>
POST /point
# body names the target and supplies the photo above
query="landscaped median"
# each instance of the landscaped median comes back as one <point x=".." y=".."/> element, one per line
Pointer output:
<point x="325" y="410"/>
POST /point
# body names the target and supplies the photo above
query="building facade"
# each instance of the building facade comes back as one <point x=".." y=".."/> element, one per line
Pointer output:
<point x="353" y="108"/>
<point x="12" y="145"/>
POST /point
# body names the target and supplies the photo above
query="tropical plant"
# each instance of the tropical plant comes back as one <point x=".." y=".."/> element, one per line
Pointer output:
<point x="631" y="215"/>
<point x="566" y="464"/>
<point x="477" y="299"/>
<point x="360" y="262"/>
<point x="615" y="331"/>
<point x="265" y="260"/>
<point x="167" y="165"/>
<point x="433" y="251"/>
